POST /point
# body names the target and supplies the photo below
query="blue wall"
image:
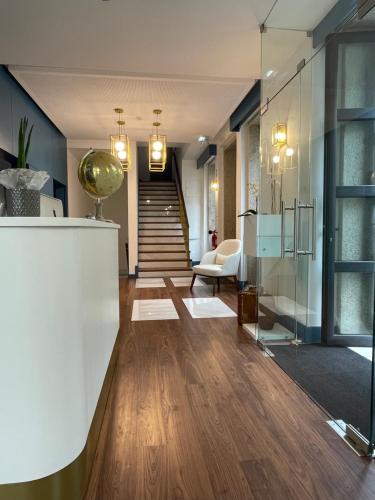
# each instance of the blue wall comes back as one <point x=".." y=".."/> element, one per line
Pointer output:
<point x="48" y="146"/>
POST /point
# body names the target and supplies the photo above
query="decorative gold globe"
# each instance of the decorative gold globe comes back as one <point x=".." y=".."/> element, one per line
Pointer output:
<point x="100" y="174"/>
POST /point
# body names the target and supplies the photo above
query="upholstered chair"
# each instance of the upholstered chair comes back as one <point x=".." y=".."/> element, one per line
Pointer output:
<point x="219" y="263"/>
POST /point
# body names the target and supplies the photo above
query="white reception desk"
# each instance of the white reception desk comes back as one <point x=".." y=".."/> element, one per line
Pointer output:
<point x="59" y="319"/>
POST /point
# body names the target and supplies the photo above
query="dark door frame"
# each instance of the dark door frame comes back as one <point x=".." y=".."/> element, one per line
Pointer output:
<point x="332" y="192"/>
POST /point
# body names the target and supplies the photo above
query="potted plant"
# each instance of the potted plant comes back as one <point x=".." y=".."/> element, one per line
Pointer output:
<point x="22" y="184"/>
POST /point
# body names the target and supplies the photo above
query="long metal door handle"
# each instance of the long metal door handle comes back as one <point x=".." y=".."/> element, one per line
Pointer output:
<point x="310" y="251"/>
<point x="282" y="229"/>
<point x="296" y="229"/>
<point x="284" y="209"/>
<point x="313" y="237"/>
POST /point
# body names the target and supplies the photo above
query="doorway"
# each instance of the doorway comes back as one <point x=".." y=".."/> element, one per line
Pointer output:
<point x="229" y="187"/>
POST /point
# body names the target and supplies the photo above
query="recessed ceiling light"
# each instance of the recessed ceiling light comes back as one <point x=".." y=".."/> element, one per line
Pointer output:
<point x="269" y="73"/>
<point x="202" y="138"/>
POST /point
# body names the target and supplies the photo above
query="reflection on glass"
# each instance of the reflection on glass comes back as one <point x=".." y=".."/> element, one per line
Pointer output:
<point x="354" y="303"/>
<point x="355" y="232"/>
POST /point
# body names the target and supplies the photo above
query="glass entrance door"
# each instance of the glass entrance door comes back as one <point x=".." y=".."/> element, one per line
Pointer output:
<point x="287" y="220"/>
<point x="277" y="235"/>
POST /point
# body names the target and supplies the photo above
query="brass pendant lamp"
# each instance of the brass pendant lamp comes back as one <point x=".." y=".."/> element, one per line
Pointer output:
<point x="120" y="147"/>
<point x="157" y="147"/>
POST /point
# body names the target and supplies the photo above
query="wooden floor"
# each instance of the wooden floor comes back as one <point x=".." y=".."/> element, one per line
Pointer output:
<point x="197" y="412"/>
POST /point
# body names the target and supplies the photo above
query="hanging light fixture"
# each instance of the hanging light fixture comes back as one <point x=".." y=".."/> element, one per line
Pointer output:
<point x="157" y="148"/>
<point x="214" y="185"/>
<point x="120" y="142"/>
<point x="279" y="135"/>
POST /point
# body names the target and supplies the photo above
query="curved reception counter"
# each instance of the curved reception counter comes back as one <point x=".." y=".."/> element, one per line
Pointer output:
<point x="59" y="320"/>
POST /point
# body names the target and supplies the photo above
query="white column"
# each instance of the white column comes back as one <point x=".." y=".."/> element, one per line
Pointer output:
<point x="241" y="187"/>
<point x="133" y="210"/>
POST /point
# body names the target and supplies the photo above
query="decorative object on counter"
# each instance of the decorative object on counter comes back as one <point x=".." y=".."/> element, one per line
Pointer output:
<point x="22" y="184"/>
<point x="101" y="175"/>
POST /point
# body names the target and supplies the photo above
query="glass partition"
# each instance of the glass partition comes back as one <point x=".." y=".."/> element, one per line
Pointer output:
<point x="316" y="220"/>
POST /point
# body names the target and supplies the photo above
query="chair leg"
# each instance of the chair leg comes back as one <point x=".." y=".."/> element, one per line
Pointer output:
<point x="192" y="281"/>
<point x="237" y="283"/>
<point x="218" y="285"/>
<point x="213" y="284"/>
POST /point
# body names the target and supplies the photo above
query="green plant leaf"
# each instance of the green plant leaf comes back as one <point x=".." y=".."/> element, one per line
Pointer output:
<point x="28" y="145"/>
<point x="23" y="149"/>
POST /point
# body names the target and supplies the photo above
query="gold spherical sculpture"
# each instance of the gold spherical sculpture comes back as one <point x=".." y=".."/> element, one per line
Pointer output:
<point x="100" y="174"/>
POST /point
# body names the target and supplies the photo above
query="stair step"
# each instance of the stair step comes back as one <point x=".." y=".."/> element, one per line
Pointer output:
<point x="171" y="264"/>
<point x="160" y="225"/>
<point x="153" y="197"/>
<point x="160" y="232"/>
<point x="157" y="220"/>
<point x="160" y="256"/>
<point x="166" y="191"/>
<point x="164" y="274"/>
<point x="152" y="212"/>
<point x="162" y="247"/>
<point x="157" y="203"/>
<point x="161" y="239"/>
<point x="156" y="183"/>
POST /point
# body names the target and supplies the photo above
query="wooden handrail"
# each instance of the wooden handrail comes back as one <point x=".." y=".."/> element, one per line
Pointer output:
<point x="183" y="211"/>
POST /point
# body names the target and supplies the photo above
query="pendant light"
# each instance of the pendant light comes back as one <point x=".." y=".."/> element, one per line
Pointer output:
<point x="157" y="147"/>
<point x="120" y="142"/>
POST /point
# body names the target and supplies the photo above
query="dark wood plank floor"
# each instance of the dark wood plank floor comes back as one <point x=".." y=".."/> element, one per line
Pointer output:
<point x="197" y="412"/>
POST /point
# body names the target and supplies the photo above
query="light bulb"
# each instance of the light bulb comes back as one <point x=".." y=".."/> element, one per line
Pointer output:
<point x="122" y="155"/>
<point x="157" y="146"/>
<point x="280" y="136"/>
<point x="119" y="146"/>
<point x="276" y="159"/>
<point x="156" y="155"/>
<point x="289" y="151"/>
<point x="215" y="185"/>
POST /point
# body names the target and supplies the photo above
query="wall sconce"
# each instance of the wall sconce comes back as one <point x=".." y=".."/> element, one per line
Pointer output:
<point x="157" y="147"/>
<point x="120" y="143"/>
<point x="279" y="135"/>
<point x="214" y="186"/>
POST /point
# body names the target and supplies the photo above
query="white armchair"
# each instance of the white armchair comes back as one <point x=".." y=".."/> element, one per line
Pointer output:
<point x="220" y="263"/>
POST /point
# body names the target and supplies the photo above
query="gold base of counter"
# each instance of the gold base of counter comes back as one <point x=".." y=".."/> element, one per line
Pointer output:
<point x="71" y="482"/>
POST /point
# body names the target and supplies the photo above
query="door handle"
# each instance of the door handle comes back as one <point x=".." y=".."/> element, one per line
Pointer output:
<point x="284" y="209"/>
<point x="312" y="235"/>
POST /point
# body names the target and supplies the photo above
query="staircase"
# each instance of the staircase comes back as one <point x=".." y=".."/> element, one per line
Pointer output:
<point x="163" y="237"/>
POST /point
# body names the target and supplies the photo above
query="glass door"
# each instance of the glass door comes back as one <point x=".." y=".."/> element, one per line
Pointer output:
<point x="278" y="230"/>
<point x="212" y="189"/>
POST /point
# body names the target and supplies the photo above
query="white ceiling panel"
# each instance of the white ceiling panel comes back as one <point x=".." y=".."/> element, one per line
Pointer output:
<point x="193" y="37"/>
<point x="82" y="105"/>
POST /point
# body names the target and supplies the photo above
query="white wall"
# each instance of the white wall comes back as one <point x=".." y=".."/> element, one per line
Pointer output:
<point x="79" y="203"/>
<point x="192" y="187"/>
<point x="114" y="208"/>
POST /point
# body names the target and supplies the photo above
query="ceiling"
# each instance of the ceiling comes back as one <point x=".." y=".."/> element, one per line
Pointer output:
<point x="82" y="105"/>
<point x="298" y="14"/>
<point x="195" y="59"/>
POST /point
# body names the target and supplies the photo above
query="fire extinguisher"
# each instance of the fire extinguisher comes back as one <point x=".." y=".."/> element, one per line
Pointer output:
<point x="213" y="238"/>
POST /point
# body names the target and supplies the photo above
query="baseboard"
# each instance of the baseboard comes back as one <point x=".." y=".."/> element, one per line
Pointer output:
<point x="71" y="482"/>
